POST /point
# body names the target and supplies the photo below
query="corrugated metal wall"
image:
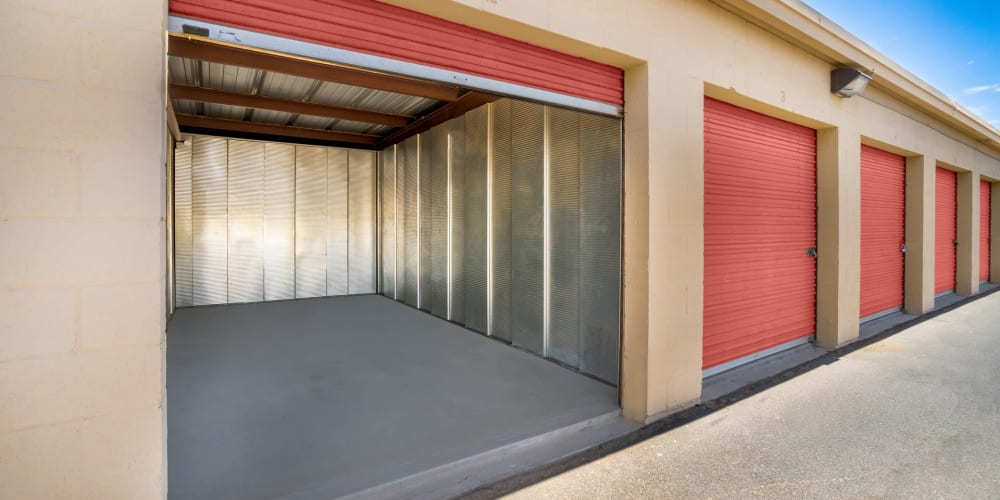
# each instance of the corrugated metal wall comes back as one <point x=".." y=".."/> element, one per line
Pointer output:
<point x="508" y="221"/>
<point x="259" y="221"/>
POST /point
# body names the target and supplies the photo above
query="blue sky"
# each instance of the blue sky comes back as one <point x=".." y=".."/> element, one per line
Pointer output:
<point x="953" y="45"/>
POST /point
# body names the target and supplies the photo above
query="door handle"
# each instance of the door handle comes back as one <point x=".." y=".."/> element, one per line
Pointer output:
<point x="811" y="251"/>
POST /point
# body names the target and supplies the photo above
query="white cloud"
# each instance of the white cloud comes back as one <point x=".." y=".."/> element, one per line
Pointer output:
<point x="983" y="88"/>
<point x="970" y="63"/>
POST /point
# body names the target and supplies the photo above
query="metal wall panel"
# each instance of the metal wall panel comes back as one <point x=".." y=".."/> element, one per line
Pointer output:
<point x="279" y="221"/>
<point x="246" y="221"/>
<point x="527" y="226"/>
<point x="500" y="220"/>
<point x="310" y="221"/>
<point x="425" y="224"/>
<point x="564" y="196"/>
<point x="182" y="225"/>
<point x="411" y="234"/>
<point x="387" y="202"/>
<point x="437" y="219"/>
<point x="600" y="245"/>
<point x="513" y="228"/>
<point x="269" y="221"/>
<point x="475" y="220"/>
<point x="456" y="212"/>
<point x="337" y="189"/>
<point x="208" y="221"/>
<point x="362" y="222"/>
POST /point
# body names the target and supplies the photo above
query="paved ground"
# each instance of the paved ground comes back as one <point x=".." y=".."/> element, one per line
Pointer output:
<point x="916" y="415"/>
<point x="324" y="397"/>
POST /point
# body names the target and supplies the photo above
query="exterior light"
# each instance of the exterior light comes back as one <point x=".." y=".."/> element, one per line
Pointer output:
<point x="847" y="82"/>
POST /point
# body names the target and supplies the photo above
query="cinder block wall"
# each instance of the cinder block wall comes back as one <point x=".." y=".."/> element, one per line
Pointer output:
<point x="81" y="249"/>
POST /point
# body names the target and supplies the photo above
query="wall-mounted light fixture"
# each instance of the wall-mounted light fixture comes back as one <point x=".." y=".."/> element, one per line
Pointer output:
<point x="847" y="82"/>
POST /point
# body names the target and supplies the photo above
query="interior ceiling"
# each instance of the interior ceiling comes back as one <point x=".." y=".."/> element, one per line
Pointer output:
<point x="225" y="89"/>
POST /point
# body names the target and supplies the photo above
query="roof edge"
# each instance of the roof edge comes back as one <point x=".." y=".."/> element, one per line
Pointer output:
<point x="802" y="25"/>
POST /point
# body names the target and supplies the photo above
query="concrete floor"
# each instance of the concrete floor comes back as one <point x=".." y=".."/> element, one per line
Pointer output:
<point x="322" y="398"/>
<point x="915" y="415"/>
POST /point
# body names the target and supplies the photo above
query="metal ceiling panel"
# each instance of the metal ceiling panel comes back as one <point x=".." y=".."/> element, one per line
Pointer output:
<point x="226" y="77"/>
<point x="223" y="111"/>
<point x="293" y="88"/>
<point x="185" y="107"/>
<point x="273" y="117"/>
<point x="349" y="96"/>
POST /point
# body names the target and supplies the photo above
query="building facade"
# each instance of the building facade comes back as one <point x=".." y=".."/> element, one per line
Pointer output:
<point x="750" y="195"/>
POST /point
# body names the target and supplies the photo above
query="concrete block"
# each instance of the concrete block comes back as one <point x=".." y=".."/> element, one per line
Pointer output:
<point x="37" y="322"/>
<point x="123" y="59"/>
<point x="76" y="386"/>
<point x="39" y="46"/>
<point x="49" y="252"/>
<point x="126" y="315"/>
<point x="38" y="183"/>
<point x="119" y="186"/>
<point x="59" y="117"/>
<point x="111" y="457"/>
<point x="148" y="14"/>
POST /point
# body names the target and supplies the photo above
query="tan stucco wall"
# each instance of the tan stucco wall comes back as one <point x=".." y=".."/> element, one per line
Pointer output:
<point x="81" y="208"/>
<point x="81" y="249"/>
<point x="674" y="53"/>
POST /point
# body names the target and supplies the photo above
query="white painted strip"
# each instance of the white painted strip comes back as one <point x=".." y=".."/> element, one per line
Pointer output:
<point x="175" y="24"/>
<point x="715" y="370"/>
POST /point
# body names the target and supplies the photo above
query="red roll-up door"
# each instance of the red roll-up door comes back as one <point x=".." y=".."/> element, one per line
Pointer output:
<point x="386" y="30"/>
<point x="760" y="219"/>
<point x="984" y="230"/>
<point x="945" y="229"/>
<point x="883" y="219"/>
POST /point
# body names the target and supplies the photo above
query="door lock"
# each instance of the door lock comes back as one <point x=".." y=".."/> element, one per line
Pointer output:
<point x="811" y="251"/>
<point x="902" y="248"/>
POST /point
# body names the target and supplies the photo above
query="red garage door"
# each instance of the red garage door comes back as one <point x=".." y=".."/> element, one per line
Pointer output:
<point x="385" y="30"/>
<point x="984" y="230"/>
<point x="760" y="219"/>
<point x="945" y="232"/>
<point x="883" y="212"/>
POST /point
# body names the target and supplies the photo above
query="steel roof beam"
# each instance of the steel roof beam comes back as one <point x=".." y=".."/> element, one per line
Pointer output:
<point x="274" y="104"/>
<point x="221" y="124"/>
<point x="464" y="104"/>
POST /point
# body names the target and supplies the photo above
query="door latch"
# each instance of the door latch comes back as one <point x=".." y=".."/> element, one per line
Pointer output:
<point x="811" y="251"/>
<point x="902" y="248"/>
<point x="955" y="242"/>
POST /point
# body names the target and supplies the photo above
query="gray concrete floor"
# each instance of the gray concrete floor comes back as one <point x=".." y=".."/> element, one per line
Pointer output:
<point x="915" y="415"/>
<point x="325" y="397"/>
